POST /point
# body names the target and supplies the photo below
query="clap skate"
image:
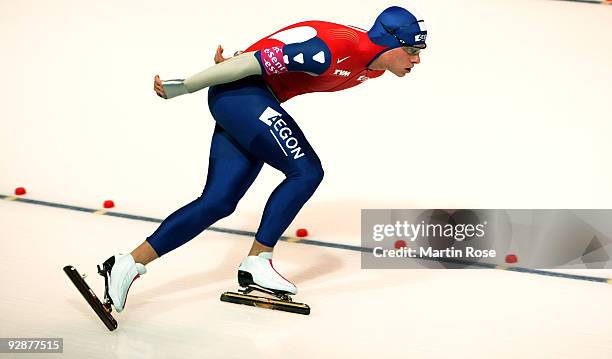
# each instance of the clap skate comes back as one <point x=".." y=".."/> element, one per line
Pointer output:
<point x="119" y="272"/>
<point x="256" y="273"/>
<point x="103" y="310"/>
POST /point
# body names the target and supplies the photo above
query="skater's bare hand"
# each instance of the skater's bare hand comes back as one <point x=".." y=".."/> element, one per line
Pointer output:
<point x="157" y="86"/>
<point x="219" y="55"/>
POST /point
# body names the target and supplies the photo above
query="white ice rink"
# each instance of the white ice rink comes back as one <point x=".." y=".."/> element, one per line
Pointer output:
<point x="510" y="108"/>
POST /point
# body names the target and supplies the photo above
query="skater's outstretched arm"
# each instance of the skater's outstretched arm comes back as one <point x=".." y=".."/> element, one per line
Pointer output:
<point x="312" y="56"/>
<point x="229" y="70"/>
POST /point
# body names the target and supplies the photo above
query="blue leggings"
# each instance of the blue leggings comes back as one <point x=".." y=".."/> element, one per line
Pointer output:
<point x="251" y="129"/>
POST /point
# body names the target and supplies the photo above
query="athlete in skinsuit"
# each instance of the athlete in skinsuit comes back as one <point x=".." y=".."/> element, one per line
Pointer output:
<point x="252" y="129"/>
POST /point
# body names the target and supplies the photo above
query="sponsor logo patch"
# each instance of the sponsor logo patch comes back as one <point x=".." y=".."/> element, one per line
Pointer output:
<point x="342" y="73"/>
<point x="282" y="133"/>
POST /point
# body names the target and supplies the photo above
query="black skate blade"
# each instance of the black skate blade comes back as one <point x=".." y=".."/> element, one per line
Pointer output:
<point x="268" y="303"/>
<point x="91" y="298"/>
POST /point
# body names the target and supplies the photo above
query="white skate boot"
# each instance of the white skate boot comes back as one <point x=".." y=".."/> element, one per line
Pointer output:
<point x="119" y="272"/>
<point x="258" y="270"/>
<point x="256" y="273"/>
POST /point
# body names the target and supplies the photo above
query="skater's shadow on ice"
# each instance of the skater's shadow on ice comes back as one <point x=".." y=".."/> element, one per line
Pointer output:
<point x="325" y="265"/>
<point x="338" y="219"/>
<point x="225" y="270"/>
<point x="220" y="279"/>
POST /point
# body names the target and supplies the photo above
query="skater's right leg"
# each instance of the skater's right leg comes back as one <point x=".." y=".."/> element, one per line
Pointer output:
<point x="257" y="248"/>
<point x="250" y="113"/>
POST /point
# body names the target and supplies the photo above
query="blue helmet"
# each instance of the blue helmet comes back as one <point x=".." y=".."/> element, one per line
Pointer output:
<point x="396" y="27"/>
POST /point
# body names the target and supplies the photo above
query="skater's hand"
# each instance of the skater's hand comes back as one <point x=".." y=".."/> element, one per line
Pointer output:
<point x="157" y="86"/>
<point x="219" y="55"/>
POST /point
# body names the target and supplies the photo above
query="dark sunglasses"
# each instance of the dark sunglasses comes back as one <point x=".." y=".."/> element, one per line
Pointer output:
<point x="410" y="49"/>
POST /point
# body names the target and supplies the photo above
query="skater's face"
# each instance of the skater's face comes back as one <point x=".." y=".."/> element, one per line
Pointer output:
<point x="399" y="61"/>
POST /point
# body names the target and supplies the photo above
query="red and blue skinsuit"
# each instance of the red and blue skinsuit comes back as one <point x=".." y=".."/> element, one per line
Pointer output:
<point x="252" y="128"/>
<point x="328" y="57"/>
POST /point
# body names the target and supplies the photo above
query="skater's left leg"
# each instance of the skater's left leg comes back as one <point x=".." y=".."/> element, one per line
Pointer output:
<point x="231" y="171"/>
<point x="144" y="253"/>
